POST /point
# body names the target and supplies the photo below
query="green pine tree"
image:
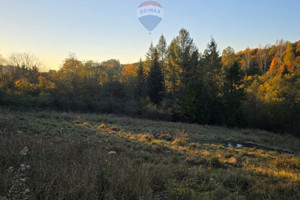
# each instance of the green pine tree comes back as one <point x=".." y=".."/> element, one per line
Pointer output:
<point x="212" y="73"/>
<point x="195" y="103"/>
<point x="155" y="81"/>
<point x="141" y="81"/>
<point x="233" y="94"/>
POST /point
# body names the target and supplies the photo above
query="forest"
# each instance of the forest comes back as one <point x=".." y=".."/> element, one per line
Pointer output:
<point x="255" y="88"/>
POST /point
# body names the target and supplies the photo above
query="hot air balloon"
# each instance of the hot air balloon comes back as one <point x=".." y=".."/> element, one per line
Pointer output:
<point x="150" y="14"/>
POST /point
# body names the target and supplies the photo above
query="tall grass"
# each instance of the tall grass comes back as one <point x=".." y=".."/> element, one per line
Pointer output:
<point x="69" y="158"/>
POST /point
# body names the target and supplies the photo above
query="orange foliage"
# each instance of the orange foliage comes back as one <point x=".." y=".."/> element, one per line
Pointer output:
<point x="275" y="65"/>
<point x="286" y="67"/>
<point x="298" y="60"/>
<point x="129" y="71"/>
<point x="298" y="46"/>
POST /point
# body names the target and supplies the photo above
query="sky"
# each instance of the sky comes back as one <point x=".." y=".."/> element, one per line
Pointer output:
<point x="109" y="29"/>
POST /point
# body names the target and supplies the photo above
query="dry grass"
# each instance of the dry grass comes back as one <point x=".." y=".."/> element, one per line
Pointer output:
<point x="68" y="155"/>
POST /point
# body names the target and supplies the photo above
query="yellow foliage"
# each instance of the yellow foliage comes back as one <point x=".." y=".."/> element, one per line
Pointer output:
<point x="286" y="67"/>
<point x="298" y="46"/>
<point x="45" y="84"/>
<point x="103" y="78"/>
<point x="129" y="71"/>
<point x="23" y="86"/>
<point x="271" y="89"/>
<point x="298" y="60"/>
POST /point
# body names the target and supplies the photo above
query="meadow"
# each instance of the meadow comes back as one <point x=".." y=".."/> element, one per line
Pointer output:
<point x="64" y="155"/>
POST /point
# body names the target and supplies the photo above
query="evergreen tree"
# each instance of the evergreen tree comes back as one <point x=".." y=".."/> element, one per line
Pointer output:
<point x="212" y="73"/>
<point x="187" y="57"/>
<point x="162" y="53"/>
<point x="233" y="93"/>
<point x="141" y="81"/>
<point x="155" y="81"/>
<point x="211" y="56"/>
<point x="195" y="103"/>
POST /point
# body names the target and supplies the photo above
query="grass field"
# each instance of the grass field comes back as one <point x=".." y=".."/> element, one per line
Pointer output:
<point x="52" y="155"/>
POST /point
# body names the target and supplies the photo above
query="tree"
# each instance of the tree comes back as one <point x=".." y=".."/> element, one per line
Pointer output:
<point x="129" y="73"/>
<point x="141" y="81"/>
<point x="69" y="78"/>
<point x="228" y="57"/>
<point x="173" y="69"/>
<point x="262" y="59"/>
<point x="24" y="60"/>
<point x="275" y="65"/>
<point x="212" y="74"/>
<point x="149" y="58"/>
<point x="247" y="59"/>
<point x="155" y="81"/>
<point x="195" y="105"/>
<point x="211" y="58"/>
<point x="112" y="69"/>
<point x="183" y="59"/>
<point x="162" y="50"/>
<point x="23" y="86"/>
<point x="187" y="57"/>
<point x="298" y="48"/>
<point x="289" y="60"/>
<point x="233" y="93"/>
<point x="45" y="86"/>
<point x="253" y="106"/>
<point x="2" y="60"/>
<point x="281" y="45"/>
<point x="162" y="53"/>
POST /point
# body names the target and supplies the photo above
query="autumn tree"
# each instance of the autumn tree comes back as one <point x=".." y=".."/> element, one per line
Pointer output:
<point x="45" y="86"/>
<point x="228" y="57"/>
<point x="69" y="79"/>
<point x="172" y="73"/>
<point x="262" y="60"/>
<point x="184" y="57"/>
<point x="162" y="50"/>
<point x="23" y="86"/>
<point x="280" y="48"/>
<point x="298" y="48"/>
<point x="112" y="69"/>
<point x="246" y="62"/>
<point x="275" y="66"/>
<point x="129" y="73"/>
<point x="149" y="58"/>
<point x="289" y="59"/>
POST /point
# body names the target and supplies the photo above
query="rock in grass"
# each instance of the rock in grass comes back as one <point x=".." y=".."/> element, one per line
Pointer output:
<point x="112" y="153"/>
<point x="239" y="145"/>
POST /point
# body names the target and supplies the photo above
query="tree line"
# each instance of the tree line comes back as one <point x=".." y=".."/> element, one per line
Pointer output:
<point x="257" y="88"/>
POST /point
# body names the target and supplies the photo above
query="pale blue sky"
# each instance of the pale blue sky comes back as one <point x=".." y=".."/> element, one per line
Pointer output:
<point x="104" y="29"/>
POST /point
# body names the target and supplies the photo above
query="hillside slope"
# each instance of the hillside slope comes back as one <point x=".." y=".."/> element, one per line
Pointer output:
<point x="89" y="156"/>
